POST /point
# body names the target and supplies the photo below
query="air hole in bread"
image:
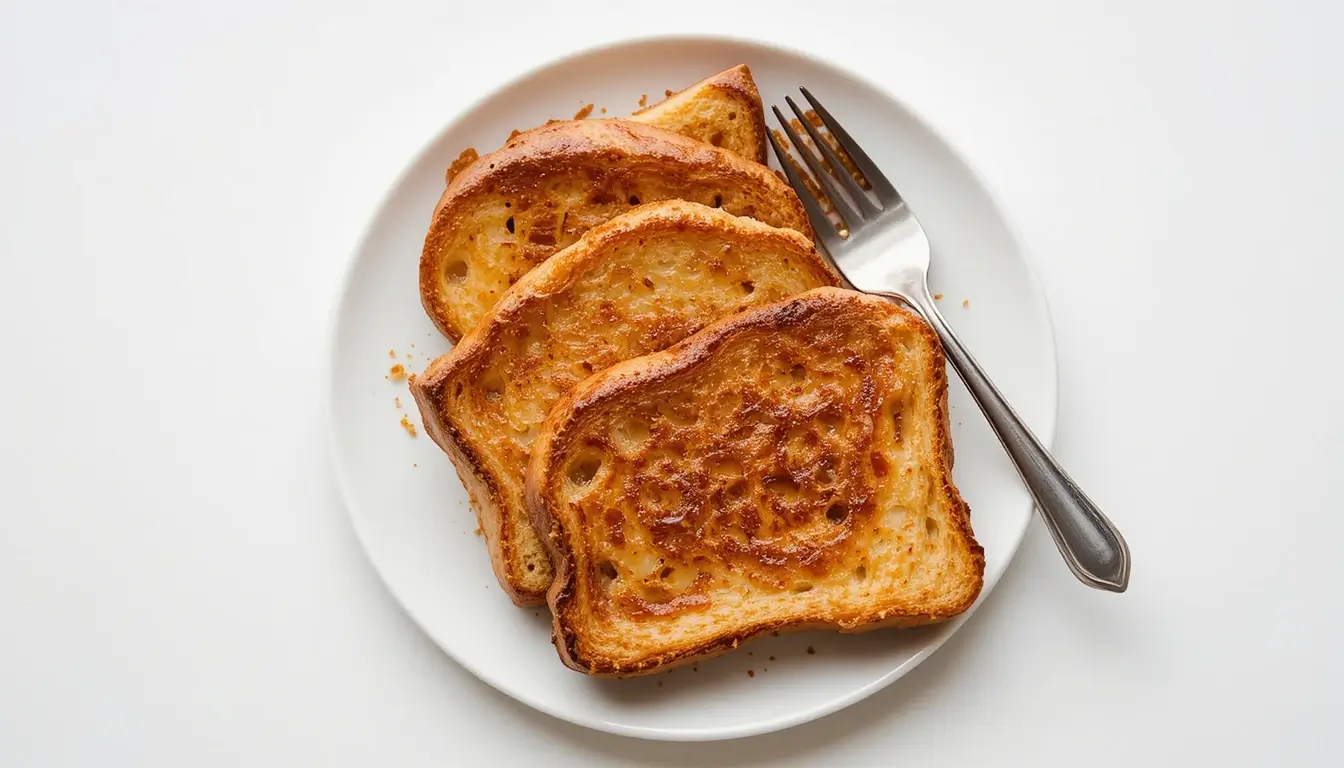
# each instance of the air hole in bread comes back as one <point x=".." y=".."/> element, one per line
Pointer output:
<point x="634" y="200"/>
<point x="931" y="527"/>
<point x="667" y="571"/>
<point x="603" y="198"/>
<point x="732" y="115"/>
<point x="583" y="469"/>
<point x="831" y="420"/>
<point x="455" y="271"/>
<point x="509" y="225"/>
<point x="541" y="237"/>
<point x="649" y="284"/>
<point x="718" y="201"/>
<point x="586" y="366"/>
<point x="737" y="489"/>
<point x="716" y="139"/>
<point x="631" y="435"/>
<point x="781" y="486"/>
<point x="457" y="390"/>
<point x="493" y="386"/>
<point x="798" y="372"/>
<point x="748" y="287"/>
<point x="607" y="570"/>
<point x="824" y="474"/>
<point x="880" y="465"/>
<point x="837" y="513"/>
<point x="507" y="204"/>
<point x="531" y="567"/>
<point x="861" y="572"/>
<point x="802" y="586"/>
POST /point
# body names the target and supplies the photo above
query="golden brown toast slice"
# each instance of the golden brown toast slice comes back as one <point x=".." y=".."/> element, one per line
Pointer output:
<point x="634" y="285"/>
<point x="723" y="109"/>
<point x="510" y="210"/>
<point x="785" y="468"/>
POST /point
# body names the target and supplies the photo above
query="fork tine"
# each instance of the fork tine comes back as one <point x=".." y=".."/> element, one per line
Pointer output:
<point x="828" y="184"/>
<point x="885" y="191"/>
<point x="821" y="223"/>
<point x="851" y="186"/>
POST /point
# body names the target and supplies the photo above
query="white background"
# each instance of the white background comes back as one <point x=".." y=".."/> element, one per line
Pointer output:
<point x="181" y="186"/>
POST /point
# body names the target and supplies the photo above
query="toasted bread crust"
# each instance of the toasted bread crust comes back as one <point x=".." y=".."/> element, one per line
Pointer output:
<point x="480" y="460"/>
<point x="511" y="209"/>
<point x="732" y="86"/>
<point x="627" y="381"/>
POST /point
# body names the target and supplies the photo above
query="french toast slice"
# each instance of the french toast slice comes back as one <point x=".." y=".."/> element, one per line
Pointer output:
<point x="510" y="210"/>
<point x="633" y="285"/>
<point x="724" y="109"/>
<point x="785" y="468"/>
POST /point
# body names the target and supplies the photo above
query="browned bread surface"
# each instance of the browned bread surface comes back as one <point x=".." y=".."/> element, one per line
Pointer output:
<point x="789" y="467"/>
<point x="633" y="285"/>
<point x="723" y="109"/>
<point x="511" y="209"/>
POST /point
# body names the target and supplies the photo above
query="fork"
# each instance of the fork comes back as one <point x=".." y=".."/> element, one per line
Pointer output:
<point x="882" y="250"/>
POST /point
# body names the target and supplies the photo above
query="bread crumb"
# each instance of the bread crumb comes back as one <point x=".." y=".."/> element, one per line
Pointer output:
<point x="749" y="653"/>
<point x="407" y="425"/>
<point x="775" y="633"/>
<point x="965" y="302"/>
<point x="667" y="93"/>
<point x="412" y="345"/>
<point x="660" y="683"/>
<point x="772" y="658"/>
<point x="477" y="531"/>
<point x="937" y="297"/>
<point x="584" y="112"/>
<point x="397" y="372"/>
<point x="467" y="157"/>
<point x="604" y="110"/>
<point x="415" y="466"/>
<point x="411" y="379"/>
<point x="392" y="353"/>
<point x="811" y="650"/>
<point x="751" y="673"/>
<point x="397" y="400"/>
<point x="644" y="100"/>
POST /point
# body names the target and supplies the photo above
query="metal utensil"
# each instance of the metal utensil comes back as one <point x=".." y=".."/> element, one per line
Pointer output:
<point x="882" y="249"/>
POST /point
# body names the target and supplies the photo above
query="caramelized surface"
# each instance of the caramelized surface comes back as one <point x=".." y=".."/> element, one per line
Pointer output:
<point x="787" y="466"/>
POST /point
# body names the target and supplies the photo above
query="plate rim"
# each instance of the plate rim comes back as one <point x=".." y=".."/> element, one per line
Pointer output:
<point x="1046" y="432"/>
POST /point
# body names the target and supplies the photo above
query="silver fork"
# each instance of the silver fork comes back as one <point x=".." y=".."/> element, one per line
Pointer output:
<point x="883" y="250"/>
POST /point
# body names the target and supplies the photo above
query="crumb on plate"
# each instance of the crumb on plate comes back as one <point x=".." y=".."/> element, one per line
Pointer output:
<point x="644" y="100"/>
<point x="937" y="297"/>
<point x="751" y="673"/>
<point x="397" y="401"/>
<point x="397" y="372"/>
<point x="584" y="112"/>
<point x="811" y="650"/>
<point x="965" y="302"/>
<point x="407" y="425"/>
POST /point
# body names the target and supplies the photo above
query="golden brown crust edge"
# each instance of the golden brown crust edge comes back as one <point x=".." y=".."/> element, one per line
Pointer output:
<point x="576" y="143"/>
<point x="690" y="352"/>
<point x="484" y="492"/>
<point x="552" y="275"/>
<point x="738" y="83"/>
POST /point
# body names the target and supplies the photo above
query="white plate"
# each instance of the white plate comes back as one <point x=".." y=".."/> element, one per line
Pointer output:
<point x="411" y="512"/>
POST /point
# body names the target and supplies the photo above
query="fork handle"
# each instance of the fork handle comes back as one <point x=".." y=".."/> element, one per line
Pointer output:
<point x="1091" y="545"/>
